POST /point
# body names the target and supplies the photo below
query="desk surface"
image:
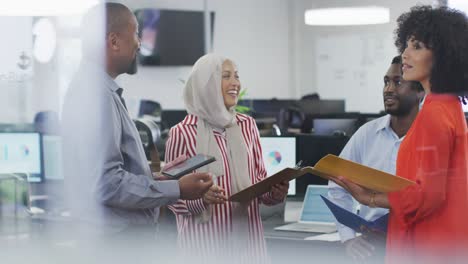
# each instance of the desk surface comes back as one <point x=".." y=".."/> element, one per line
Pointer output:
<point x="290" y="247"/>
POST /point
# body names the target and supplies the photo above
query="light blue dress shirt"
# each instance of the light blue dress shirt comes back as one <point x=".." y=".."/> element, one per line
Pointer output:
<point x="376" y="145"/>
<point x="107" y="175"/>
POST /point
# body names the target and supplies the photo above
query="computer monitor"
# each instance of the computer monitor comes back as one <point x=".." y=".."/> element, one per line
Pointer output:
<point x="52" y="157"/>
<point x="334" y="126"/>
<point x="271" y="107"/>
<point x="16" y="127"/>
<point x="170" y="118"/>
<point x="164" y="34"/>
<point x="315" y="107"/>
<point x="310" y="149"/>
<point x="279" y="153"/>
<point x="21" y="153"/>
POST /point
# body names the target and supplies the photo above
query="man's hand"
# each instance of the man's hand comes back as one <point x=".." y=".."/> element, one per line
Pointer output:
<point x="194" y="185"/>
<point x="279" y="191"/>
<point x="215" y="195"/>
<point x="359" y="249"/>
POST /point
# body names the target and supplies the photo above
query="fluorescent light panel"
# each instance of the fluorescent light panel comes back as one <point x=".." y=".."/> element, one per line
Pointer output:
<point x="45" y="7"/>
<point x="347" y="16"/>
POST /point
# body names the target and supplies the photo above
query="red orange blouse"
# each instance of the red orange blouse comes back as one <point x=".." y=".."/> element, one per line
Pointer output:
<point x="429" y="220"/>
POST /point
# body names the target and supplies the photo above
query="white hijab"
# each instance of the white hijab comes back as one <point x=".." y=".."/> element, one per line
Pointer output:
<point x="203" y="98"/>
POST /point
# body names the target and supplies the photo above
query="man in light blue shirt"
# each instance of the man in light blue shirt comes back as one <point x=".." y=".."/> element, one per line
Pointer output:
<point x="110" y="184"/>
<point x="376" y="145"/>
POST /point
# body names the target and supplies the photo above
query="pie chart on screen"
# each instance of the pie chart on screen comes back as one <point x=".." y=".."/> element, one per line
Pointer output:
<point x="25" y="150"/>
<point x="274" y="158"/>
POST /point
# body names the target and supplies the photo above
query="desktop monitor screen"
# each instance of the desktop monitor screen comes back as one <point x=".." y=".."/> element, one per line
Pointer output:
<point x="310" y="149"/>
<point x="279" y="153"/>
<point x="331" y="126"/>
<point x="320" y="106"/>
<point x="170" y="118"/>
<point x="21" y="153"/>
<point x="165" y="35"/>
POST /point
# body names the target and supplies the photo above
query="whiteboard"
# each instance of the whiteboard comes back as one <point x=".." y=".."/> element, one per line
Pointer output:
<point x="352" y="67"/>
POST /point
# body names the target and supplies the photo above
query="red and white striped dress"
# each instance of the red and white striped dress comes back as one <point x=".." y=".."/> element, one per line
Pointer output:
<point x="207" y="239"/>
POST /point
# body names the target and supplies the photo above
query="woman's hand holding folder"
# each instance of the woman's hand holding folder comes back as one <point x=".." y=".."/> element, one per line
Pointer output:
<point x="361" y="194"/>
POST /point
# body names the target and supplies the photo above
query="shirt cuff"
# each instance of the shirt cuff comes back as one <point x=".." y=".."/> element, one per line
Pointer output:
<point x="169" y="190"/>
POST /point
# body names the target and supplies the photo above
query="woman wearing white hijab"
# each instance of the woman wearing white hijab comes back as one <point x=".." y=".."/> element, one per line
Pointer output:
<point x="213" y="226"/>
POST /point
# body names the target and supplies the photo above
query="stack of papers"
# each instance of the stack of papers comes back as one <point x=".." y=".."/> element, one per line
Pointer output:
<point x="325" y="237"/>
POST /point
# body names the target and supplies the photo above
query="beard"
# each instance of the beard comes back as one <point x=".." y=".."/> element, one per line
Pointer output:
<point x="404" y="108"/>
<point x="132" y="68"/>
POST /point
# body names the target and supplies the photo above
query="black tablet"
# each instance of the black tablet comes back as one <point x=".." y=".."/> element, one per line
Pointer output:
<point x="188" y="166"/>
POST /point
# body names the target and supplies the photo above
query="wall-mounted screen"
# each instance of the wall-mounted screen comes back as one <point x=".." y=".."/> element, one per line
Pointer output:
<point x="171" y="37"/>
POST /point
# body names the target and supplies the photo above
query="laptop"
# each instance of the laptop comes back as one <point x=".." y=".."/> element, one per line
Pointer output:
<point x="315" y="217"/>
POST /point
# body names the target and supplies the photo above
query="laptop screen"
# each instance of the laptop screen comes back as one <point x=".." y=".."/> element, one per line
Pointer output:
<point x="314" y="208"/>
<point x="279" y="153"/>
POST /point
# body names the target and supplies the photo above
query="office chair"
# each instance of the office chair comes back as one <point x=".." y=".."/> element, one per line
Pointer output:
<point x="150" y="109"/>
<point x="47" y="122"/>
<point x="150" y="135"/>
<point x="290" y="119"/>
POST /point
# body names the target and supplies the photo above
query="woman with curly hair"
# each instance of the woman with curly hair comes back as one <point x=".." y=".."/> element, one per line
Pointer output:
<point x="428" y="219"/>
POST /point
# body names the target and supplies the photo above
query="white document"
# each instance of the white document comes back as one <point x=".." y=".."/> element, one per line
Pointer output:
<point x="332" y="237"/>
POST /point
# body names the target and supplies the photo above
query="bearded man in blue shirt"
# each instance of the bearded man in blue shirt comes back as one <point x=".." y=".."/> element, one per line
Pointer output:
<point x="376" y="145"/>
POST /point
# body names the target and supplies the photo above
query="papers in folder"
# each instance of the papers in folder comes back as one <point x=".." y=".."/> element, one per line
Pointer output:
<point x="333" y="166"/>
<point x="328" y="167"/>
<point x="354" y="221"/>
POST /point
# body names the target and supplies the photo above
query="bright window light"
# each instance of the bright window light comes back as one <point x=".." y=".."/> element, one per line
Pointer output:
<point x="45" y="7"/>
<point x="347" y="16"/>
<point x="459" y="4"/>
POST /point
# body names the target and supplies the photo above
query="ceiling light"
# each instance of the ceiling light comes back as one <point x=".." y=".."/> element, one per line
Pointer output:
<point x="347" y="16"/>
<point x="45" y="40"/>
<point x="45" y="7"/>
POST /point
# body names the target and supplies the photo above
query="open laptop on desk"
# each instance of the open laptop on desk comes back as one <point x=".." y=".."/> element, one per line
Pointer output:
<point x="315" y="217"/>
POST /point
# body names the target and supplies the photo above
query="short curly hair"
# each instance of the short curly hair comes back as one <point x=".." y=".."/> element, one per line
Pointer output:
<point x="444" y="31"/>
